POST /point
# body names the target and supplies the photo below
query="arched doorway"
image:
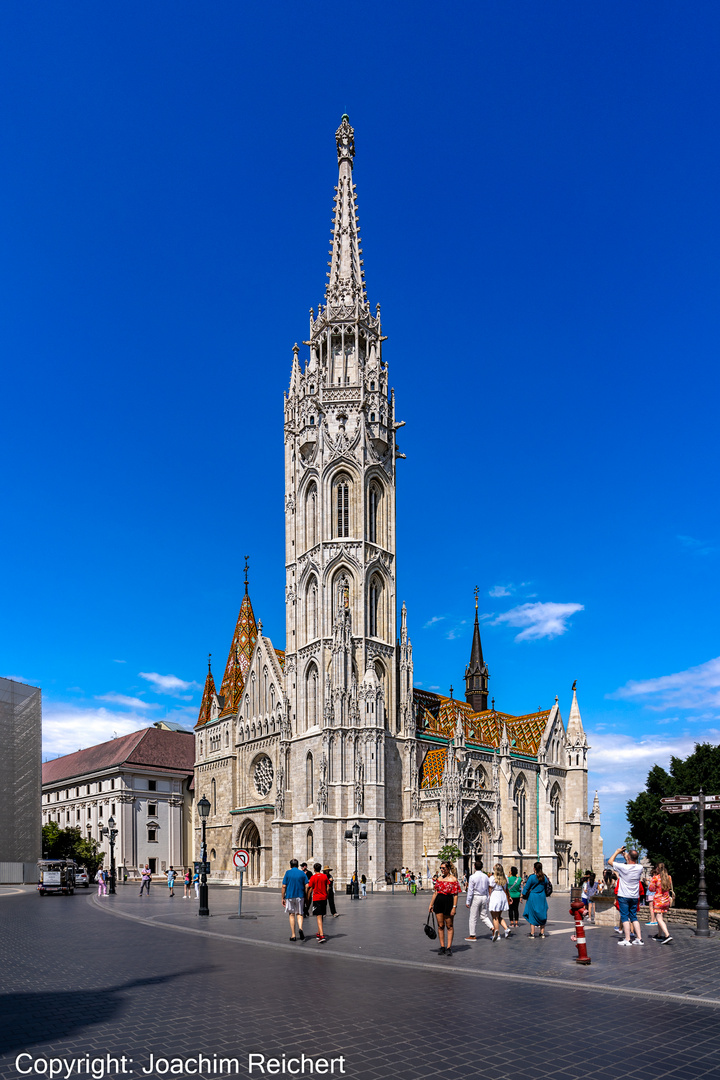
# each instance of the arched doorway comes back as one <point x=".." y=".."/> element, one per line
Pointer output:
<point x="250" y="839"/>
<point x="471" y="841"/>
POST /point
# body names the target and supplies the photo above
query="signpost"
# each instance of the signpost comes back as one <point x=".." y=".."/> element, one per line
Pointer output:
<point x="680" y="804"/>
<point x="241" y="861"/>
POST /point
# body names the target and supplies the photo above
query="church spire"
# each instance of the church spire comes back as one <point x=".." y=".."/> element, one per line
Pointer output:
<point x="209" y="697"/>
<point x="346" y="280"/>
<point x="476" y="673"/>
<point x="240" y="655"/>
<point x="575" y="729"/>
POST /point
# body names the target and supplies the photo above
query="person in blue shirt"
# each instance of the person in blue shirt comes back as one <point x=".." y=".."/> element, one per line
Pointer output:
<point x="293" y="897"/>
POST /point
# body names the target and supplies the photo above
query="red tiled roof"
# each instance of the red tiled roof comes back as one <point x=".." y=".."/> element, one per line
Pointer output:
<point x="150" y="748"/>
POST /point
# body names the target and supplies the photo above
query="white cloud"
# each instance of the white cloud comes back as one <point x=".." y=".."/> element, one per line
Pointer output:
<point x="119" y="661"/>
<point x="539" y="620"/>
<point x="67" y="728"/>
<point x="696" y="688"/>
<point x="501" y="590"/>
<point x="169" y="684"/>
<point x="431" y="622"/>
<point x="697" y="547"/>
<point x="456" y="632"/>
<point x="128" y="702"/>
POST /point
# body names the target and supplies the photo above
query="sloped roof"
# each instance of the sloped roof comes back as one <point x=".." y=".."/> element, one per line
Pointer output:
<point x="151" y="747"/>
<point x="239" y="657"/>
<point x="433" y="767"/>
<point x="438" y="715"/>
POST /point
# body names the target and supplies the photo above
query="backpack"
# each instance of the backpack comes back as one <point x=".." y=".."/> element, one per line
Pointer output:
<point x="548" y="886"/>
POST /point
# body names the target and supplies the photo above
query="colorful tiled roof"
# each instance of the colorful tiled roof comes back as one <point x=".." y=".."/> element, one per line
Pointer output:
<point x="280" y="653"/>
<point x="239" y="657"/>
<point x="209" y="694"/>
<point x="150" y="748"/>
<point x="438" y="715"/>
<point x="433" y="767"/>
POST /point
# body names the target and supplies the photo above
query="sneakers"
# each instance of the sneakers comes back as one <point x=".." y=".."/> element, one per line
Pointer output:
<point x="496" y="935"/>
<point x="654" y="923"/>
<point x="638" y="941"/>
<point x="657" y="937"/>
<point x="627" y="944"/>
<point x="617" y="930"/>
<point x="448" y="952"/>
<point x="471" y="939"/>
<point x="441" y="951"/>
<point x="665" y="939"/>
<point x="508" y="933"/>
<point x="321" y="940"/>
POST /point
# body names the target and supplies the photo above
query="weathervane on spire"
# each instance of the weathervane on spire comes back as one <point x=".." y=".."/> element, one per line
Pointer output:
<point x="247" y="559"/>
<point x="574" y="686"/>
<point x="209" y="667"/>
<point x="476" y="597"/>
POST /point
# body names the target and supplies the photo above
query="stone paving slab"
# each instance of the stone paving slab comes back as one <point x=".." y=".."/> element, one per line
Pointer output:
<point x="387" y="928"/>
<point x="76" y="981"/>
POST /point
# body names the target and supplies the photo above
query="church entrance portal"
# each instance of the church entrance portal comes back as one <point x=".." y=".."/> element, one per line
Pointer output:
<point x="471" y="843"/>
<point x="250" y="839"/>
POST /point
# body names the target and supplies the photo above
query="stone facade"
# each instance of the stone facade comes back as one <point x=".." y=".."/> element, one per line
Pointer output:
<point x="299" y="745"/>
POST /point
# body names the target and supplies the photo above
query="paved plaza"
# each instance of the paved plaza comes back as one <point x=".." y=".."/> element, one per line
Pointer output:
<point x="139" y="977"/>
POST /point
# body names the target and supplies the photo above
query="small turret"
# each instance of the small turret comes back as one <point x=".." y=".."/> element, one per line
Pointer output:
<point x="476" y="673"/>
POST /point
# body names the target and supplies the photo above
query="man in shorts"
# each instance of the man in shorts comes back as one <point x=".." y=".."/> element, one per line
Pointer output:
<point x="317" y="889"/>
<point x="628" y="894"/>
<point x="293" y="897"/>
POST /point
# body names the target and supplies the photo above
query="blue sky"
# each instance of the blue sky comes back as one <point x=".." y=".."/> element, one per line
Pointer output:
<point x="538" y="199"/>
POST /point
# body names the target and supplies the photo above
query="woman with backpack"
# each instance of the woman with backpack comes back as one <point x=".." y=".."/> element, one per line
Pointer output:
<point x="537" y="889"/>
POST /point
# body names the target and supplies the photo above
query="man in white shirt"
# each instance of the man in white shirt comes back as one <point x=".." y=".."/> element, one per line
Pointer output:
<point x="628" y="894"/>
<point x="477" y="900"/>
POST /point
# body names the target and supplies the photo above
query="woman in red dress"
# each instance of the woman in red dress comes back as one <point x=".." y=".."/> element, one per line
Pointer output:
<point x="444" y="903"/>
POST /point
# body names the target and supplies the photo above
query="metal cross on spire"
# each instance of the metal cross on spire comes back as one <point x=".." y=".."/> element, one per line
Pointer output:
<point x="247" y="560"/>
<point x="476" y="597"/>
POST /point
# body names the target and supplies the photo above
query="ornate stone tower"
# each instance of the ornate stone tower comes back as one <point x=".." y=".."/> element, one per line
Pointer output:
<point x="341" y="665"/>
<point x="577" y="821"/>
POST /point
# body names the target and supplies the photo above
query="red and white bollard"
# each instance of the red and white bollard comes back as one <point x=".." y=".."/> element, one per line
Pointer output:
<point x="576" y="909"/>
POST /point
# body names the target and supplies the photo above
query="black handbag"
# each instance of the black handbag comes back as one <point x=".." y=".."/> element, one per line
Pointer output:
<point x="429" y="926"/>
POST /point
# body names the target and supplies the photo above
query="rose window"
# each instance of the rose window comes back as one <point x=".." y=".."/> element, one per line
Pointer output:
<point x="263" y="775"/>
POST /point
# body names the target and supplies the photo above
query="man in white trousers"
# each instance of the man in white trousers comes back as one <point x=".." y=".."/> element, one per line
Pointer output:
<point x="477" y="900"/>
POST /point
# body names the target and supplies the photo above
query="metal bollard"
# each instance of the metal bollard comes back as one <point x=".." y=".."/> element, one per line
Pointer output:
<point x="576" y="910"/>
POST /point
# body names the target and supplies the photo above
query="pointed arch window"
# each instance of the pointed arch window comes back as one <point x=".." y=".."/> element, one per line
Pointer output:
<point x="213" y="788"/>
<point x="374" y="497"/>
<point x="311" y="516"/>
<point x="309" y="847"/>
<point x="311" y="609"/>
<point x="311" y="696"/>
<point x="374" y="607"/>
<point x="309" y="784"/>
<point x="342" y="506"/>
<point x="521" y="816"/>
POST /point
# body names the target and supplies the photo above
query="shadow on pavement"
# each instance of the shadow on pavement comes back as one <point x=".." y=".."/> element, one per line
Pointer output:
<point x="47" y="1016"/>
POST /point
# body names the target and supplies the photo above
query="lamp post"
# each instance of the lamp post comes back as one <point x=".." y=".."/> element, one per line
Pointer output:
<point x="576" y="860"/>
<point x="356" y="837"/>
<point x="112" y="833"/>
<point x="203" y="811"/>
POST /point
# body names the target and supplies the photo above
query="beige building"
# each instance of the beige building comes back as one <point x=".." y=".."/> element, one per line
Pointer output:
<point x="298" y="745"/>
<point x="144" y="781"/>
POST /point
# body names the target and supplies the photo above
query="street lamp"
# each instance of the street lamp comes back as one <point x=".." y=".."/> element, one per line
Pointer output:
<point x="356" y="837"/>
<point x="112" y="833"/>
<point x="576" y="860"/>
<point x="203" y="811"/>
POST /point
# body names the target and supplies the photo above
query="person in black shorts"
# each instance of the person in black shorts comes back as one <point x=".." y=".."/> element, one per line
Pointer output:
<point x="443" y="903"/>
<point x="317" y="888"/>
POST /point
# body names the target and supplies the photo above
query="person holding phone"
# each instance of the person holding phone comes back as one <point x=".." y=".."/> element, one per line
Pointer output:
<point x="629" y="874"/>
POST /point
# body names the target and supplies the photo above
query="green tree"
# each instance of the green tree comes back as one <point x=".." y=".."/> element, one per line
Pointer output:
<point x="449" y="853"/>
<point x="60" y="843"/>
<point x="674" y="838"/>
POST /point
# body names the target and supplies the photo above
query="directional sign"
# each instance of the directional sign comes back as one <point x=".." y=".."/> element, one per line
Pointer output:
<point x="679" y="809"/>
<point x="241" y="858"/>
<point x="679" y="799"/>
<point x="712" y="799"/>
<point x="713" y="806"/>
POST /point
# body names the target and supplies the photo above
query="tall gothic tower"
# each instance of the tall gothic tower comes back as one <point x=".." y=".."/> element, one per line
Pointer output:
<point x="340" y="453"/>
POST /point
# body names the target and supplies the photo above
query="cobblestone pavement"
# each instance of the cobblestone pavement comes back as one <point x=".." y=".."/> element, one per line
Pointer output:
<point x="76" y="980"/>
